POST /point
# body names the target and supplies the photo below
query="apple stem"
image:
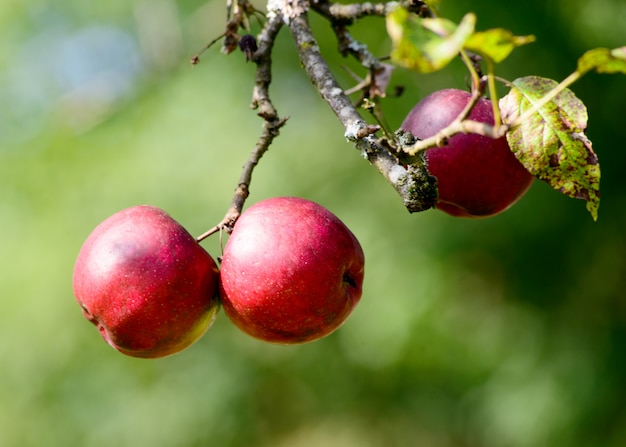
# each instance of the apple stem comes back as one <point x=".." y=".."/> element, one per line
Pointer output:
<point x="493" y="93"/>
<point x="471" y="68"/>
<point x="271" y="124"/>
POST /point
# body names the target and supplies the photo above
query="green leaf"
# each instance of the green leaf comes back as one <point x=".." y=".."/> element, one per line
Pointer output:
<point x="496" y="44"/>
<point x="552" y="144"/>
<point x="603" y="60"/>
<point x="426" y="45"/>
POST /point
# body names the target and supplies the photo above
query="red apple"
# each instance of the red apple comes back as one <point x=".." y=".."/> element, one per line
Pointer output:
<point x="477" y="176"/>
<point x="146" y="283"/>
<point x="291" y="271"/>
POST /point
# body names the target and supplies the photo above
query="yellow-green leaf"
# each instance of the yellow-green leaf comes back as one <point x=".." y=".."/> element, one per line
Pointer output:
<point x="603" y="60"/>
<point x="426" y="45"/>
<point x="552" y="144"/>
<point x="496" y="44"/>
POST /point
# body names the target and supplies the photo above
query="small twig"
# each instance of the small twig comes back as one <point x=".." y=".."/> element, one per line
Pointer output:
<point x="270" y="131"/>
<point x="237" y="16"/>
<point x="340" y="16"/>
<point x="456" y="127"/>
<point x="271" y="125"/>
<point x="375" y="84"/>
<point x="460" y="125"/>
<point x="348" y="45"/>
<point x="195" y="59"/>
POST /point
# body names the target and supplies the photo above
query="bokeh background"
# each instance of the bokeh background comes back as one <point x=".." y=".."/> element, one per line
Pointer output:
<point x="508" y="331"/>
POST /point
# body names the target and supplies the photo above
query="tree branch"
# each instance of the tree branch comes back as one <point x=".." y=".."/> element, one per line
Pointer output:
<point x="416" y="187"/>
<point x="349" y="13"/>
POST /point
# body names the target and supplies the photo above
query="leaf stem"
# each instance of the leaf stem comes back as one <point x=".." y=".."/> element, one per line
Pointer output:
<point x="470" y="66"/>
<point x="493" y="92"/>
<point x="565" y="83"/>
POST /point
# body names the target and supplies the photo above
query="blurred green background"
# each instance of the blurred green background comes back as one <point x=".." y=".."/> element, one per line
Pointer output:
<point x="509" y="331"/>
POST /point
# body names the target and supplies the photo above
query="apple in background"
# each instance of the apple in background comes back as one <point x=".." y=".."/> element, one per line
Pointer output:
<point x="291" y="271"/>
<point x="146" y="283"/>
<point x="477" y="176"/>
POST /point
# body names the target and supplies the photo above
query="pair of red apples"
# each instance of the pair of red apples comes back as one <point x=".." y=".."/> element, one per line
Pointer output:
<point x="291" y="271"/>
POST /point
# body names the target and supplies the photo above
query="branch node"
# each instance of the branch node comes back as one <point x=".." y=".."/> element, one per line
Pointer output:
<point x="368" y="130"/>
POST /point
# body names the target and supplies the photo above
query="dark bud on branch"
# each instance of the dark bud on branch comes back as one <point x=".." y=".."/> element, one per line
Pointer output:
<point x="248" y="45"/>
<point x="419" y="7"/>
